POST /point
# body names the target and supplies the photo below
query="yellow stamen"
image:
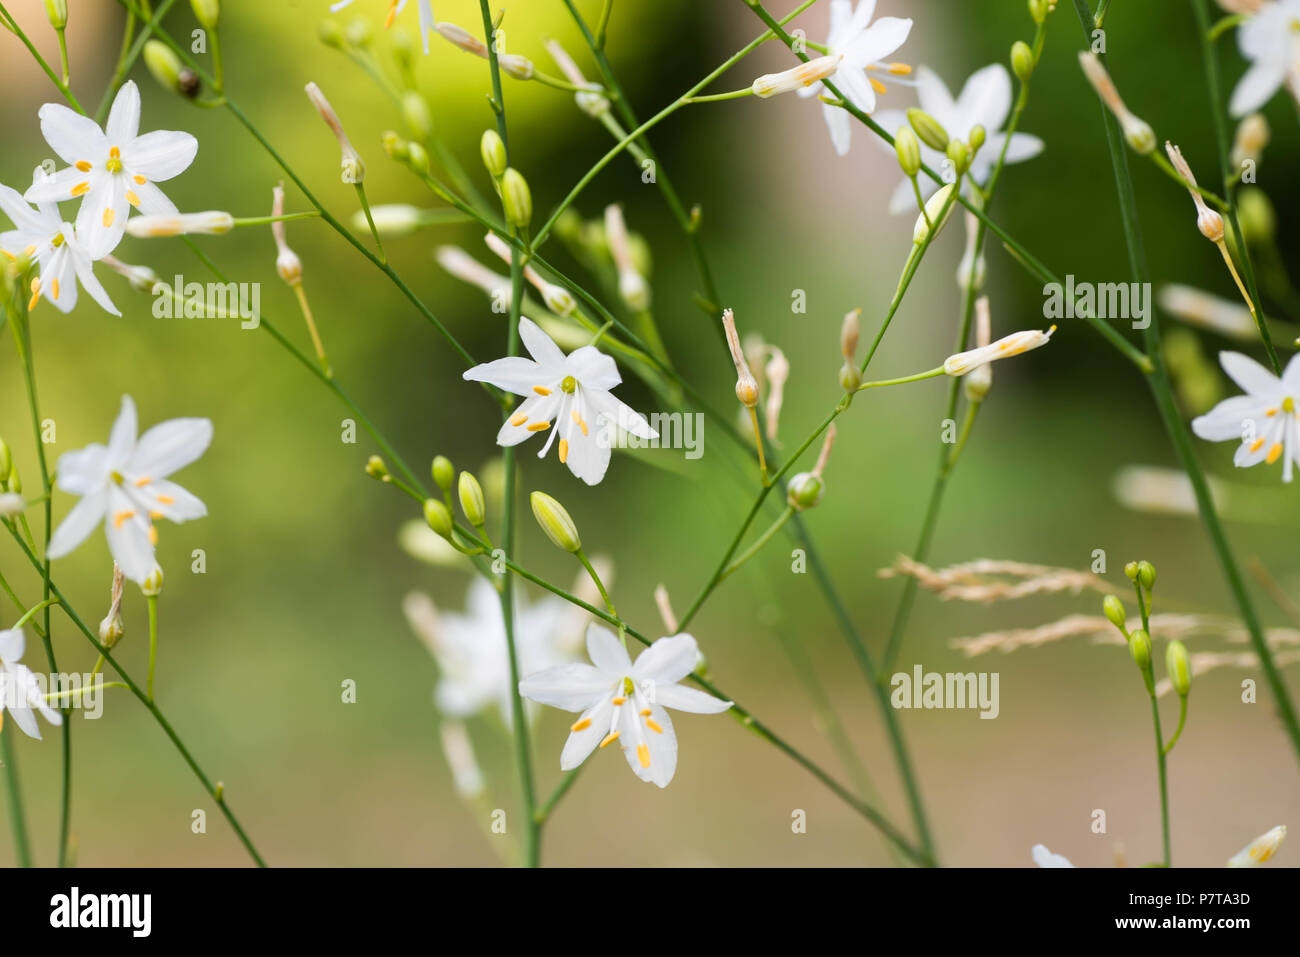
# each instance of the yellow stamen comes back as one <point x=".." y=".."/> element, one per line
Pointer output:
<point x="166" y="500"/>
<point x="84" y="166"/>
<point x="519" y="419"/>
<point x="877" y="85"/>
<point x="643" y="755"/>
<point x="578" y="419"/>
<point x="539" y="427"/>
<point x="36" y="293"/>
<point x="1271" y="412"/>
<point x="653" y="725"/>
<point x="121" y="518"/>
<point x="153" y="535"/>
<point x="108" y="217"/>
<point x="541" y="391"/>
<point x="131" y="198"/>
<point x="81" y="189"/>
<point x="899" y="69"/>
<point x="115" y="153"/>
<point x="618" y="702"/>
<point x="609" y="738"/>
<point x="29" y="250"/>
<point x="54" y="287"/>
<point x="582" y="725"/>
<point x="142" y="481"/>
<point x="12" y="257"/>
<point x="1273" y="453"/>
<point x="140" y="180"/>
<point x="1255" y="446"/>
<point x="392" y="12"/>
<point x="564" y="450"/>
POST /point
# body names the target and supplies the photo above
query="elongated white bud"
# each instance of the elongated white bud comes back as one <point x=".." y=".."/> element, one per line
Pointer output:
<point x="796" y="78"/>
<point x="352" y="169"/>
<point x="746" y="384"/>
<point x="287" y="263"/>
<point x="213" y="222"/>
<point x="631" y="284"/>
<point x="591" y="102"/>
<point x="979" y="380"/>
<point x="468" y="269"/>
<point x="519" y="67"/>
<point x="1004" y="348"/>
<point x="1137" y="132"/>
<point x="557" y="298"/>
<point x="1260" y="849"/>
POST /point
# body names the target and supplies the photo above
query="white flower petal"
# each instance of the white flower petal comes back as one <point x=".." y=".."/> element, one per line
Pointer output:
<point x="1264" y="78"/>
<point x="1023" y="146"/>
<point x="689" y="700"/>
<point x="86" y="276"/>
<point x="668" y="660"/>
<point x="173" y="502"/>
<point x="607" y="652"/>
<point x="934" y="96"/>
<point x="124" y="117"/>
<point x="612" y="410"/>
<point x="539" y="345"/>
<point x="533" y="411"/>
<point x="152" y="201"/>
<point x="880" y="40"/>
<point x="1229" y="419"/>
<point x="513" y="374"/>
<point x="1250" y="375"/>
<point x="984" y="101"/>
<point x="168" y="447"/>
<point x="78" y="523"/>
<point x="582" y="742"/>
<point x="592" y="368"/>
<point x="12" y="645"/>
<point x="661" y="746"/>
<point x="74" y="137"/>
<point x="840" y="125"/>
<point x="121" y="440"/>
<point x="160" y="155"/>
<point x="127" y="529"/>
<point x="570" y="687"/>
<point x="1045" y="858"/>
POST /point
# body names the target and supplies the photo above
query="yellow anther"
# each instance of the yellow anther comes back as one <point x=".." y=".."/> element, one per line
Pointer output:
<point x="108" y="217"/>
<point x="392" y="12"/>
<point x="519" y="419"/>
<point x="609" y="738"/>
<point x="539" y="427"/>
<point x="900" y="69"/>
<point x="84" y="166"/>
<point x="142" y="481"/>
<point x="153" y="535"/>
<point x="541" y="390"/>
<point x="115" y="153"/>
<point x="654" y="725"/>
<point x="578" y="419"/>
<point x="877" y="85"/>
<point x="618" y="702"/>
<point x="564" y="450"/>
<point x="54" y="288"/>
<point x="643" y="755"/>
<point x="582" y="725"/>
<point x="1256" y="445"/>
<point x="140" y="180"/>
<point x="131" y="198"/>
<point x="166" y="500"/>
<point x="121" y="518"/>
<point x="81" y="189"/>
<point x="36" y="293"/>
<point x="1273" y="453"/>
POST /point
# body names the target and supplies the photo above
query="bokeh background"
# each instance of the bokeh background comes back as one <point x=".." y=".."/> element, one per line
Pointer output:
<point x="305" y="577"/>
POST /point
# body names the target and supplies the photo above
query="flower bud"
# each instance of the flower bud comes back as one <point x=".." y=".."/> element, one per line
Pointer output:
<point x="359" y="33"/>
<point x="163" y="64"/>
<point x="933" y="207"/>
<point x="15" y="481"/>
<point x="152" y="586"/>
<point x="438" y="517"/>
<point x="516" y="199"/>
<point x="1113" y="609"/>
<point x="1139" y="646"/>
<point x="376" y="469"/>
<point x="909" y="151"/>
<point x="444" y="473"/>
<point x="1179" y="667"/>
<point x="1260" y="849"/>
<point x="803" y="75"/>
<point x="850" y="377"/>
<point x="1139" y="135"/>
<point x="416" y="113"/>
<point x="493" y="150"/>
<point x="1022" y="61"/>
<point x="11" y="505"/>
<point x="207" y="12"/>
<point x="805" y="491"/>
<point x="213" y="222"/>
<point x="392" y="220"/>
<point x="930" y="131"/>
<point x="6" y="462"/>
<point x="555" y="522"/>
<point x="111" y="628"/>
<point x="1012" y="345"/>
<point x="978" y="135"/>
<point x="417" y="157"/>
<point x="1131" y="570"/>
<point x="959" y="155"/>
<point x="471" y="499"/>
<point x="403" y="47"/>
<point x="287" y="263"/>
<point x="1258" y="219"/>
<point x="746" y="384"/>
<point x="1146" y="574"/>
<point x="849" y="332"/>
<point x="1039" y="9"/>
<point x="57" y="11"/>
<point x="331" y="34"/>
<point x="1252" y="137"/>
<point x="352" y="170"/>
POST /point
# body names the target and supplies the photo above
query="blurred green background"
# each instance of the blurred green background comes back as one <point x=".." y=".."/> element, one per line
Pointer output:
<point x="304" y="577"/>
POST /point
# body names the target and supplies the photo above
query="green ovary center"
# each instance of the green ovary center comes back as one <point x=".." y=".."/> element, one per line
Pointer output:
<point x="117" y="477"/>
<point x="1288" y="404"/>
<point x="57" y="241"/>
<point x="569" y="385"/>
<point x="628" y="687"/>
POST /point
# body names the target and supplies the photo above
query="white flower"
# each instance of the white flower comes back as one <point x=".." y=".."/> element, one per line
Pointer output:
<point x="112" y="169"/>
<point x="394" y="8"/>
<point x="862" y="46"/>
<point x="471" y="651"/>
<point x="19" y="689"/>
<point x="572" y="391"/>
<point x="1270" y="40"/>
<point x="11" y="504"/>
<point x="1265" y="419"/>
<point x="1045" y="858"/>
<point x="625" y="702"/>
<point x="1012" y="345"/>
<point x="1260" y="849"/>
<point x="124" y="485"/>
<point x="985" y="100"/>
<point x="43" y="236"/>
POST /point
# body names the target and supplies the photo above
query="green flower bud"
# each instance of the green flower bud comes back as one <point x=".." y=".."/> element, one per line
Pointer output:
<point x="358" y="33"/>
<point x="207" y="12"/>
<point x="417" y="157"/>
<point x="516" y="199"/>
<point x="1146" y="575"/>
<point x="976" y="139"/>
<point x="933" y="207"/>
<point x="1022" y="61"/>
<point x="444" y="473"/>
<point x="850" y="377"/>
<point x="555" y="522"/>
<point x="376" y="468"/>
<point x="152" y="586"/>
<point x="932" y="134"/>
<point x="1179" y="667"/>
<point x="1113" y="608"/>
<point x="1139" y="135"/>
<point x="6" y="462"/>
<point x="331" y="34"/>
<point x="438" y="517"/>
<point x="57" y="11"/>
<point x="1131" y="570"/>
<point x="163" y="64"/>
<point x="805" y="491"/>
<point x="1258" y="219"/>
<point x="959" y="154"/>
<point x="1039" y="9"/>
<point x="471" y="499"/>
<point x="395" y="146"/>
<point x="909" y="151"/>
<point x="493" y="150"/>
<point x="1139" y="646"/>
<point x="15" y="481"/>
<point x="416" y="113"/>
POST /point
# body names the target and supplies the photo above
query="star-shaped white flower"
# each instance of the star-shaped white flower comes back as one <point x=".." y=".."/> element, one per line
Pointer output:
<point x="573" y="392"/>
<point x="1045" y="858"/>
<point x="394" y="8"/>
<point x="113" y="169"/>
<point x="125" y="486"/>
<point x="471" y="651"/>
<point x="63" y="260"/>
<point x="624" y="702"/>
<point x="1266" y="420"/>
<point x="19" y="690"/>
<point x="1270" y="40"/>
<point x="862" y="45"/>
<point x="985" y="100"/>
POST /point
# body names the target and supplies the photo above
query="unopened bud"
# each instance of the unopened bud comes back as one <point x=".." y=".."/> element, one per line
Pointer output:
<point x="516" y="199"/>
<point x="929" y="129"/>
<point x="417" y="157"/>
<point x="555" y="522"/>
<point x="1252" y="137"/>
<point x="805" y="491"/>
<point x="6" y="462"/>
<point x="796" y="78"/>
<point x="493" y="150"/>
<point x="1113" y="609"/>
<point x="416" y="113"/>
<point x="1146" y="575"/>
<point x="438" y="517"/>
<point x="1258" y="219"/>
<point x="849" y="332"/>
<point x="850" y="377"/>
<point x="1179" y="667"/>
<point x="392" y="220"/>
<point x="352" y="170"/>
<point x="207" y="12"/>
<point x="471" y="499"/>
<point x="376" y="469"/>
<point x="152" y="586"/>
<point x="1139" y="646"/>
<point x="934" y="206"/>
<point x="11" y="505"/>
<point x="959" y="155"/>
<point x="1022" y="61"/>
<point x="1260" y="849"/>
<point x="1012" y="345"/>
<point x="57" y="11"/>
<point x="444" y="473"/>
<point x="1131" y="570"/>
<point x="1039" y="9"/>
<point x="212" y="222"/>
<point x="746" y="384"/>
<point x="163" y="64"/>
<point x="908" y="150"/>
<point x="331" y="34"/>
<point x="359" y="33"/>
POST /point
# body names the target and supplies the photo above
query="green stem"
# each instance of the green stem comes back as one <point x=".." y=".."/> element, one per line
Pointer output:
<point x="1164" y="781"/>
<point x="153" y="641"/>
<point x="759" y="542"/>
<point x="8" y="20"/>
<point x="370" y="219"/>
<point x="919" y="377"/>
<point x="1182" y="720"/>
<point x="17" y="819"/>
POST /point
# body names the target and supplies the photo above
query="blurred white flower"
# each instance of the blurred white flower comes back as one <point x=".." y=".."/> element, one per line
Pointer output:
<point x="572" y="391"/>
<point x="394" y="8"/>
<point x="1270" y="40"/>
<point x="125" y="486"/>
<point x="1260" y="849"/>
<point x="861" y="45"/>
<point x="113" y="169"/>
<point x="625" y="702"/>
<point x="1045" y="858"/>
<point x="19" y="690"/>
<point x="1265" y="419"/>
<point x="56" y="247"/>
<point x="985" y="100"/>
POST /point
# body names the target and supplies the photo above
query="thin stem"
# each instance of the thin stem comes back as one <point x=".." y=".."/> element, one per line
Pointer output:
<point x="63" y="56"/>
<point x="153" y="641"/>
<point x="323" y="359"/>
<point x="918" y="377"/>
<point x="600" y="585"/>
<point x="370" y="219"/>
<point x="17" y="818"/>
<point x="1182" y="720"/>
<point x="8" y="19"/>
<point x="1164" y="781"/>
<point x="759" y="542"/>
